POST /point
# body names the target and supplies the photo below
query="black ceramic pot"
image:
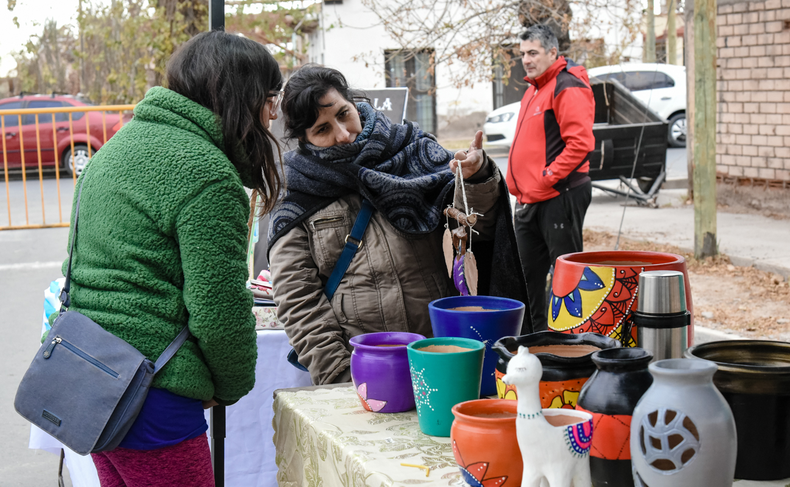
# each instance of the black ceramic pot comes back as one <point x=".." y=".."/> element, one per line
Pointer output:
<point x="566" y="359"/>
<point x="754" y="378"/>
<point x="610" y="396"/>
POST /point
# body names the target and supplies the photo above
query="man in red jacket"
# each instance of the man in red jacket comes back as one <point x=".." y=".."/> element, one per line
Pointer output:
<point x="548" y="165"/>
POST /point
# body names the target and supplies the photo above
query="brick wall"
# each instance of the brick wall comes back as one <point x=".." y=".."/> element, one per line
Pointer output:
<point x="753" y="85"/>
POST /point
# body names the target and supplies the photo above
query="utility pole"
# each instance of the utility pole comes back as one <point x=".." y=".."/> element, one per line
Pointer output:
<point x="216" y="15"/>
<point x="688" y="49"/>
<point x="672" y="34"/>
<point x="650" y="42"/>
<point x="705" y="128"/>
<point x="218" y="417"/>
<point x="82" y="51"/>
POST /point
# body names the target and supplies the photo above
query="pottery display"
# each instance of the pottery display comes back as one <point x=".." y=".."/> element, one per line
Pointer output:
<point x="566" y="360"/>
<point x="445" y="371"/>
<point x="554" y="443"/>
<point x="484" y="318"/>
<point x="484" y="442"/>
<point x="610" y="396"/>
<point x="754" y="378"/>
<point x="682" y="430"/>
<point x="380" y="371"/>
<point x="597" y="291"/>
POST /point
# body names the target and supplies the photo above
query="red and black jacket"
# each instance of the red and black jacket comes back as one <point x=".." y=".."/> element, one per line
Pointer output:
<point x="553" y="140"/>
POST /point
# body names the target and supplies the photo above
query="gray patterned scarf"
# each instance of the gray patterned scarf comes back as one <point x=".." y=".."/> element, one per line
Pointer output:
<point x="400" y="169"/>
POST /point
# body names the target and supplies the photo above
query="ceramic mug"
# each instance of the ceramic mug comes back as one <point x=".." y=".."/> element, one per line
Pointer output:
<point x="444" y="372"/>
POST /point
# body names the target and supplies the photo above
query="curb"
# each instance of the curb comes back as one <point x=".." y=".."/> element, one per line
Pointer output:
<point x="705" y="335"/>
<point x="749" y="262"/>
<point x="676" y="184"/>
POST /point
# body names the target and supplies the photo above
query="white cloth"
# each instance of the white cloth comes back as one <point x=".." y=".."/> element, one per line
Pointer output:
<point x="249" y="449"/>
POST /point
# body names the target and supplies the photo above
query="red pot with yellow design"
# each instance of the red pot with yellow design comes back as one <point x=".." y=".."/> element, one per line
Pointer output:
<point x="597" y="291"/>
<point x="566" y="359"/>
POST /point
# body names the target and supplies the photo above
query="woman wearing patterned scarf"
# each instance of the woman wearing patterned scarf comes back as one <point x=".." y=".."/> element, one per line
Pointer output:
<point x="349" y="152"/>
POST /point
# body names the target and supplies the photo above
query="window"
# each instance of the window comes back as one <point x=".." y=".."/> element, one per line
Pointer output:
<point x="74" y="116"/>
<point x="11" y="120"/>
<point x="647" y="80"/>
<point x="613" y="76"/>
<point x="512" y="89"/>
<point x="44" y="117"/>
<point x="412" y="69"/>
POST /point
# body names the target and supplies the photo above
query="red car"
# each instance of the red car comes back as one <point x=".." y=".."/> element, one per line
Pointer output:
<point x="13" y="133"/>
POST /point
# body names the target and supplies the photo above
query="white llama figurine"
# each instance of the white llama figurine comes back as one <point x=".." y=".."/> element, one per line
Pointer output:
<point x="554" y="443"/>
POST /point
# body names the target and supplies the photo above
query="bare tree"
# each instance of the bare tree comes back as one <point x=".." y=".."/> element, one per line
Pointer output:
<point x="126" y="44"/>
<point x="473" y="36"/>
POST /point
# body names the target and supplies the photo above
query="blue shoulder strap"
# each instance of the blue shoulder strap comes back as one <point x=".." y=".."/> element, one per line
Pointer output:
<point x="353" y="243"/>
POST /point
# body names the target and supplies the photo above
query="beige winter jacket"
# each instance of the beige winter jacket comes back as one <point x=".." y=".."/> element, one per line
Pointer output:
<point x="387" y="287"/>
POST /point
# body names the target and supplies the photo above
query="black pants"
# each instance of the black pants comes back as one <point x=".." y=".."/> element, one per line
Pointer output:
<point x="544" y="231"/>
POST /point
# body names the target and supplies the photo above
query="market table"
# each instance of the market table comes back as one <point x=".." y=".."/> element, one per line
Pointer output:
<point x="323" y="436"/>
<point x="249" y="451"/>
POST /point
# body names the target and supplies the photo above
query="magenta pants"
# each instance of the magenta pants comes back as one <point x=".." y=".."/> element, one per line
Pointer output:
<point x="186" y="463"/>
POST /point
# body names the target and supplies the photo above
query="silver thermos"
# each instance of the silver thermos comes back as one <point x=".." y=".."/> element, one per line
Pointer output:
<point x="661" y="317"/>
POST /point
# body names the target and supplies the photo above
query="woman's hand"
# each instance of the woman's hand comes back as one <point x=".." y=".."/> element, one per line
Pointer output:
<point x="470" y="160"/>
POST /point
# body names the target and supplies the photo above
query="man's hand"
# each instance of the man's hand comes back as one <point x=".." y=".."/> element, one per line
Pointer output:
<point x="470" y="160"/>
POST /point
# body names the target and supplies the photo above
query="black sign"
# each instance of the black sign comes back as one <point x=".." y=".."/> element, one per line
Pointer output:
<point x="390" y="101"/>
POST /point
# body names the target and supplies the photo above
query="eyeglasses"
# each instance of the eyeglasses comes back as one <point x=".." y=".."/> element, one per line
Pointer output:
<point x="277" y="99"/>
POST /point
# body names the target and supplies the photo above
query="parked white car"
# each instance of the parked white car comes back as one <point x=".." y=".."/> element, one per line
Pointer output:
<point x="662" y="87"/>
<point x="500" y="125"/>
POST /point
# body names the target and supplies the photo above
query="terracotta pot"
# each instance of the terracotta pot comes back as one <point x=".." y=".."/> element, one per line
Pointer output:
<point x="754" y="378"/>
<point x="597" y="291"/>
<point x="484" y="442"/>
<point x="380" y="371"/>
<point x="610" y="396"/>
<point x="566" y="360"/>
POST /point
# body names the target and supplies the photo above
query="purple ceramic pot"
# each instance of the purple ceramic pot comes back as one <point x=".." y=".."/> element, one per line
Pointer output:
<point x="380" y="371"/>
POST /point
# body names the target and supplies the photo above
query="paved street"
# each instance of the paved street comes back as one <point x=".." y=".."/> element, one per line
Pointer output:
<point x="29" y="260"/>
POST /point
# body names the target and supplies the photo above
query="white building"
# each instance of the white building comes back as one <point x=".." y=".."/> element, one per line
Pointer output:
<point x="351" y="39"/>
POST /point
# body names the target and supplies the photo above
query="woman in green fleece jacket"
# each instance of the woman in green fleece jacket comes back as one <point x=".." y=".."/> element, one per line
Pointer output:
<point x="162" y="244"/>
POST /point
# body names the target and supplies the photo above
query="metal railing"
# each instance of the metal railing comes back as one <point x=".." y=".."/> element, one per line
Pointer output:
<point x="16" y="192"/>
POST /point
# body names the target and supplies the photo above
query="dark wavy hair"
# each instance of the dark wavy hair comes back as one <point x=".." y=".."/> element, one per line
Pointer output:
<point x="232" y="76"/>
<point x="303" y="92"/>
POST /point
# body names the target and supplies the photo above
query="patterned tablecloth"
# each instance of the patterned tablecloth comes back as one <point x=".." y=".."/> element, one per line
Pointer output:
<point x="324" y="437"/>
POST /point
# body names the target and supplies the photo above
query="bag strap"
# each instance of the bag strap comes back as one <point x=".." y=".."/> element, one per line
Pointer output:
<point x="353" y="243"/>
<point x="65" y="299"/>
<point x="171" y="349"/>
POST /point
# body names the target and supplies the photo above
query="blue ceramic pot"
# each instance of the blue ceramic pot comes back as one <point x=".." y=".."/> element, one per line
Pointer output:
<point x="380" y="371"/>
<point x="460" y="316"/>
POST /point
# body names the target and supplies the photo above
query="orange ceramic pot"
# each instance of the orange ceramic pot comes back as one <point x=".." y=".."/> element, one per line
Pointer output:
<point x="484" y="442"/>
<point x="597" y="291"/>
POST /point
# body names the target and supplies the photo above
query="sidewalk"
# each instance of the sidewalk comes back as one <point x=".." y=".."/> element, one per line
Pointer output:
<point x="747" y="239"/>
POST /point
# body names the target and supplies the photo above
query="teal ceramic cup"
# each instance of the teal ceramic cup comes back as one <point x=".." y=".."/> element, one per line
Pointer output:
<point x="444" y="372"/>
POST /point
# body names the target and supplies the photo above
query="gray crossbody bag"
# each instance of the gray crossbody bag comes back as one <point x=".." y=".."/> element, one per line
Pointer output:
<point x="85" y="386"/>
